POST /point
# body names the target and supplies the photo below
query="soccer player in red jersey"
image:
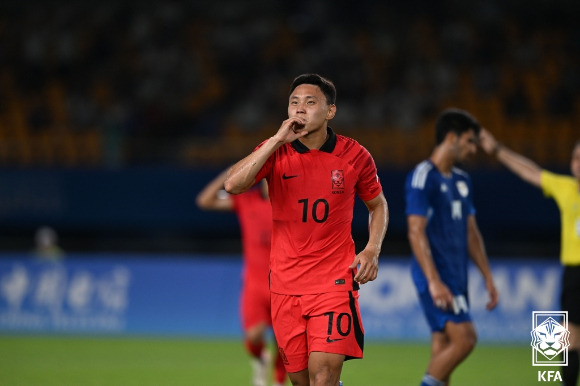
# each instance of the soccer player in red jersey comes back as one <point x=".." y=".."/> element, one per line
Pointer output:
<point x="313" y="176"/>
<point x="254" y="214"/>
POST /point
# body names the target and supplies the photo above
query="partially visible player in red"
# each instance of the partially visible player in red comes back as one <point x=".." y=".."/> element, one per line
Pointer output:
<point x="313" y="176"/>
<point x="254" y="214"/>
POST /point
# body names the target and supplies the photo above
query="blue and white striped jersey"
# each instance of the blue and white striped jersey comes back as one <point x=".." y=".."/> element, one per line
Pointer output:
<point x="446" y="202"/>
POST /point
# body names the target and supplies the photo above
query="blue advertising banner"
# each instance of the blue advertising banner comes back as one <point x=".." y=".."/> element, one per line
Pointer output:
<point x="390" y="309"/>
<point x="198" y="295"/>
<point x="121" y="294"/>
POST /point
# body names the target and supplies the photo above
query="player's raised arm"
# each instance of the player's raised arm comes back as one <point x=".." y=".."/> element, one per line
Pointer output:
<point x="212" y="196"/>
<point x="523" y="167"/>
<point x="242" y="176"/>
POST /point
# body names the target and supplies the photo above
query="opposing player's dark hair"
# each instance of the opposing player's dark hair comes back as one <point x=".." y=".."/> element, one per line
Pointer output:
<point x="457" y="121"/>
<point x="324" y="84"/>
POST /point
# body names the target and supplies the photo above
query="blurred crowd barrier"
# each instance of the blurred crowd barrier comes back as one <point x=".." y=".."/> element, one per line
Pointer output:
<point x="117" y="83"/>
<point x="153" y="209"/>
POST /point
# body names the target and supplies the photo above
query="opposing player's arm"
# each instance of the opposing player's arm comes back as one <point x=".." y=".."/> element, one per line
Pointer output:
<point x="419" y="242"/>
<point x="478" y="254"/>
<point x="213" y="197"/>
<point x="523" y="167"/>
<point x="368" y="258"/>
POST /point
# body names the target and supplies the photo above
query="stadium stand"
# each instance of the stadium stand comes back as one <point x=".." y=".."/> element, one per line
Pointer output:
<point x="123" y="83"/>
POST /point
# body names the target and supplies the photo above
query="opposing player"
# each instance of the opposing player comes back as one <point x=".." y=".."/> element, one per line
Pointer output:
<point x="313" y="176"/>
<point x="255" y="217"/>
<point x="444" y="235"/>
<point x="565" y="190"/>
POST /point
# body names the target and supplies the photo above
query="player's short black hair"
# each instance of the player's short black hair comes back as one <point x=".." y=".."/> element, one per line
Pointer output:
<point x="454" y="120"/>
<point x="324" y="84"/>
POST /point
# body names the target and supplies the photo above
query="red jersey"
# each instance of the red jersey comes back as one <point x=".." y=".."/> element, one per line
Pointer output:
<point x="312" y="194"/>
<point x="255" y="217"/>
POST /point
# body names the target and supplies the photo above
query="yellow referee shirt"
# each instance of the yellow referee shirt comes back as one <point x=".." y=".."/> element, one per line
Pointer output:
<point x="565" y="191"/>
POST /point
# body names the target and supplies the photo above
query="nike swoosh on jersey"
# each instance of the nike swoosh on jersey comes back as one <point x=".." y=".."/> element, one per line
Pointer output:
<point x="285" y="177"/>
<point x="328" y="340"/>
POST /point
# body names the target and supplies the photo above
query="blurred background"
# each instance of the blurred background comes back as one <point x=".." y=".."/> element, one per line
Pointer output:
<point x="114" y="114"/>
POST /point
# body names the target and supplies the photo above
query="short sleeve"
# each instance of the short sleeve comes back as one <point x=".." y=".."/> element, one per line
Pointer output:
<point x="471" y="209"/>
<point x="368" y="185"/>
<point x="416" y="195"/>
<point x="549" y="183"/>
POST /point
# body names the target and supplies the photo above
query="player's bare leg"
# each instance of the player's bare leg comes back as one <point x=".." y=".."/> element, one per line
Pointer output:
<point x="261" y="359"/>
<point x="300" y="378"/>
<point x="323" y="370"/>
<point x="439" y="343"/>
<point x="570" y="372"/>
<point x="450" y="348"/>
<point x="574" y="336"/>
<point x="255" y="334"/>
<point x="259" y="352"/>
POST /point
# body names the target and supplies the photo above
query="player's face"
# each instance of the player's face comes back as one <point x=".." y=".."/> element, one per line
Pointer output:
<point x="575" y="162"/>
<point x="309" y="103"/>
<point x="466" y="146"/>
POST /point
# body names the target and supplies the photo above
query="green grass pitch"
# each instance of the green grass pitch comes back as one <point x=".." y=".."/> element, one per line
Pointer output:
<point x="126" y="361"/>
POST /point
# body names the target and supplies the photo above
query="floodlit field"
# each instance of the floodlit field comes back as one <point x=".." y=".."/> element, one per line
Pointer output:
<point x="47" y="361"/>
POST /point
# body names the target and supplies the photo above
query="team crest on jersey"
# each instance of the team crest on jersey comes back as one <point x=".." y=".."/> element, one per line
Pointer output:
<point x="337" y="177"/>
<point x="462" y="188"/>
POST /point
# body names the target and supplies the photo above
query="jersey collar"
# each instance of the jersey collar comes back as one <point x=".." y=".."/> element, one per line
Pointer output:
<point x="328" y="146"/>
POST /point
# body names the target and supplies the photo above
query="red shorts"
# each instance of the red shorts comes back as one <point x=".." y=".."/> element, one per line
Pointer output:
<point x="255" y="306"/>
<point x="329" y="322"/>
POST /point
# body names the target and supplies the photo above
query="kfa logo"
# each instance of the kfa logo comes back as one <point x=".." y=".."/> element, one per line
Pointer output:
<point x="547" y="376"/>
<point x="337" y="178"/>
<point x="550" y="339"/>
